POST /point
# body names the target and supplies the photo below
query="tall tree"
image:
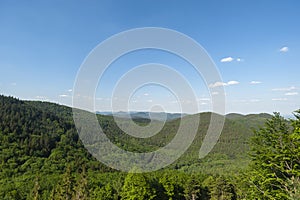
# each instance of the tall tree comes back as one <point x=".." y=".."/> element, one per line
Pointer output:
<point x="35" y="193"/>
<point x="81" y="188"/>
<point x="220" y="188"/>
<point x="64" y="190"/>
<point x="172" y="184"/>
<point x="275" y="153"/>
<point x="193" y="188"/>
<point x="136" y="187"/>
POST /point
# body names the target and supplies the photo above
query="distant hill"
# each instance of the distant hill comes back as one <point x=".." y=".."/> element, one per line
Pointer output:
<point x="42" y="135"/>
<point x="249" y="116"/>
<point x="160" y="116"/>
<point x="234" y="116"/>
<point x="38" y="135"/>
<point x="39" y="139"/>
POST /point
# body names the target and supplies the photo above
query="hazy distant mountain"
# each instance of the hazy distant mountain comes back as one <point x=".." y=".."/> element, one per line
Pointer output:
<point x="289" y="116"/>
<point x="160" y="116"/>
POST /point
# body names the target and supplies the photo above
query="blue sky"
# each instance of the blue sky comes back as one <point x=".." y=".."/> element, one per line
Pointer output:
<point x="255" y="45"/>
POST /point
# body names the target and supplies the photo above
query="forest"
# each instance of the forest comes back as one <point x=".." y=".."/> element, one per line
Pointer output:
<point x="42" y="157"/>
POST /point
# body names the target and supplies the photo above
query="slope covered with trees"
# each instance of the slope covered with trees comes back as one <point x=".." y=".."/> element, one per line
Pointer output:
<point x="42" y="157"/>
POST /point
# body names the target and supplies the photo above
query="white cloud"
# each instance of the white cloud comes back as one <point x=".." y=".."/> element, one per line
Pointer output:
<point x="255" y="82"/>
<point x="70" y="90"/>
<point x="150" y="100"/>
<point x="284" y="49"/>
<point x="63" y="95"/>
<point x="239" y="59"/>
<point x="227" y="59"/>
<point x="146" y="94"/>
<point x="284" y="89"/>
<point x="218" y="84"/>
<point x="232" y="82"/>
<point x="291" y="93"/>
<point x="203" y="99"/>
<point x="279" y="99"/>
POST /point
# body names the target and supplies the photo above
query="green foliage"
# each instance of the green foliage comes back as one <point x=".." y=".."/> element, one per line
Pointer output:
<point x="220" y="188"/>
<point x="275" y="165"/>
<point x="172" y="184"/>
<point x="42" y="157"/>
<point x="35" y="193"/>
<point x="81" y="187"/>
<point x="104" y="193"/>
<point x="194" y="189"/>
<point x="136" y="187"/>
<point x="65" y="188"/>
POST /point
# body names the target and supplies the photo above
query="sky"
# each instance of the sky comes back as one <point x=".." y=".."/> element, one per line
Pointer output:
<point x="254" y="44"/>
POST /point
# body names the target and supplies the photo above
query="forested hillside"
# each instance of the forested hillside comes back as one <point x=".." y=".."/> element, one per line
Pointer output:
<point x="42" y="157"/>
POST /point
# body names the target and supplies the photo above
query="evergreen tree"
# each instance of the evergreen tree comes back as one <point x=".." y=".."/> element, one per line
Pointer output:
<point x="275" y="166"/>
<point x="35" y="193"/>
<point x="136" y="187"/>
<point x="81" y="188"/>
<point x="220" y="188"/>
<point x="192" y="189"/>
<point x="104" y="193"/>
<point x="64" y="190"/>
<point x="173" y="185"/>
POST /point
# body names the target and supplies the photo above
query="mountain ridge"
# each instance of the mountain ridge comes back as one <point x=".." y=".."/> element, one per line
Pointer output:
<point x="40" y="140"/>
